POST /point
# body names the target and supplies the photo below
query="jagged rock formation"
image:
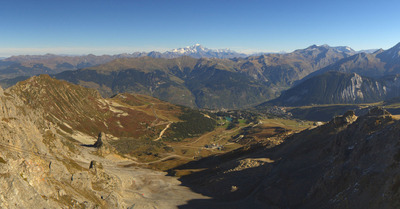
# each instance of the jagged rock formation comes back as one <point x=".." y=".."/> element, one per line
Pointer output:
<point x="99" y="142"/>
<point x="103" y="146"/>
<point x="347" y="118"/>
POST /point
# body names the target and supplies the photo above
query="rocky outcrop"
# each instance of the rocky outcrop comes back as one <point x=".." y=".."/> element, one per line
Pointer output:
<point x="346" y="119"/>
<point x="378" y="111"/>
<point x="99" y="142"/>
<point x="103" y="146"/>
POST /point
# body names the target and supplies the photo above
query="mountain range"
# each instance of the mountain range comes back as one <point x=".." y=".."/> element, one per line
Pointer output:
<point x="212" y="81"/>
<point x="206" y="82"/>
<point x="63" y="145"/>
<point x="29" y="65"/>
<point x="377" y="64"/>
<point x="356" y="79"/>
<point x="48" y="156"/>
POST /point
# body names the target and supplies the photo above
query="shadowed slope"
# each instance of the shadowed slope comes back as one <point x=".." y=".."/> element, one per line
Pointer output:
<point x="348" y="163"/>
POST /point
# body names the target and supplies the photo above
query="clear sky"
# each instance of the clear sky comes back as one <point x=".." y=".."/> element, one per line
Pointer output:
<point x="117" y="26"/>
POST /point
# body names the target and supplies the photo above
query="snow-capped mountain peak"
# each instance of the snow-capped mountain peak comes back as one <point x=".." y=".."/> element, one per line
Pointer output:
<point x="197" y="50"/>
<point x="345" y="49"/>
<point x="190" y="49"/>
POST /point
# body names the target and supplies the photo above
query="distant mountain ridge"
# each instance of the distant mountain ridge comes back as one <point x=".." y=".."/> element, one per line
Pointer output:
<point x="339" y="49"/>
<point x="206" y="82"/>
<point x="30" y="65"/>
<point x="377" y="64"/>
<point x="195" y="82"/>
<point x="360" y="78"/>
<point x="339" y="88"/>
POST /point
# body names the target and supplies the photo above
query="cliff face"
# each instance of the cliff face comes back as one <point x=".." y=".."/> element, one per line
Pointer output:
<point x="349" y="162"/>
<point x="20" y="140"/>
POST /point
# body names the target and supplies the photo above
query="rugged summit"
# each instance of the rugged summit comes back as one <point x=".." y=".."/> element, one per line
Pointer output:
<point x="377" y="64"/>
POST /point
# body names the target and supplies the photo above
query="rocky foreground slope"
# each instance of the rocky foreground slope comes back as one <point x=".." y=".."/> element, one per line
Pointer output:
<point x="46" y="155"/>
<point x="349" y="162"/>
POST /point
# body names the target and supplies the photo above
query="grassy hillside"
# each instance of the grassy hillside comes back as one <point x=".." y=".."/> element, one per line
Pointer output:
<point x="133" y="124"/>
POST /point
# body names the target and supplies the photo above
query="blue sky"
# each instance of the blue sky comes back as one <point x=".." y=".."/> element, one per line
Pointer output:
<point x="117" y="26"/>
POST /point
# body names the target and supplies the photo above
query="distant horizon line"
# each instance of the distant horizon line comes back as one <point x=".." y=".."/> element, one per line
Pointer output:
<point x="100" y="51"/>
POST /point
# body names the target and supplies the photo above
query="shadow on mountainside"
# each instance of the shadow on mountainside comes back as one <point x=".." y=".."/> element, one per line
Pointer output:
<point x="350" y="162"/>
<point x="230" y="179"/>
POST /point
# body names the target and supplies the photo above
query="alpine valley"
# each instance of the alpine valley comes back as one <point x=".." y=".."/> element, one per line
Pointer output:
<point x="201" y="128"/>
